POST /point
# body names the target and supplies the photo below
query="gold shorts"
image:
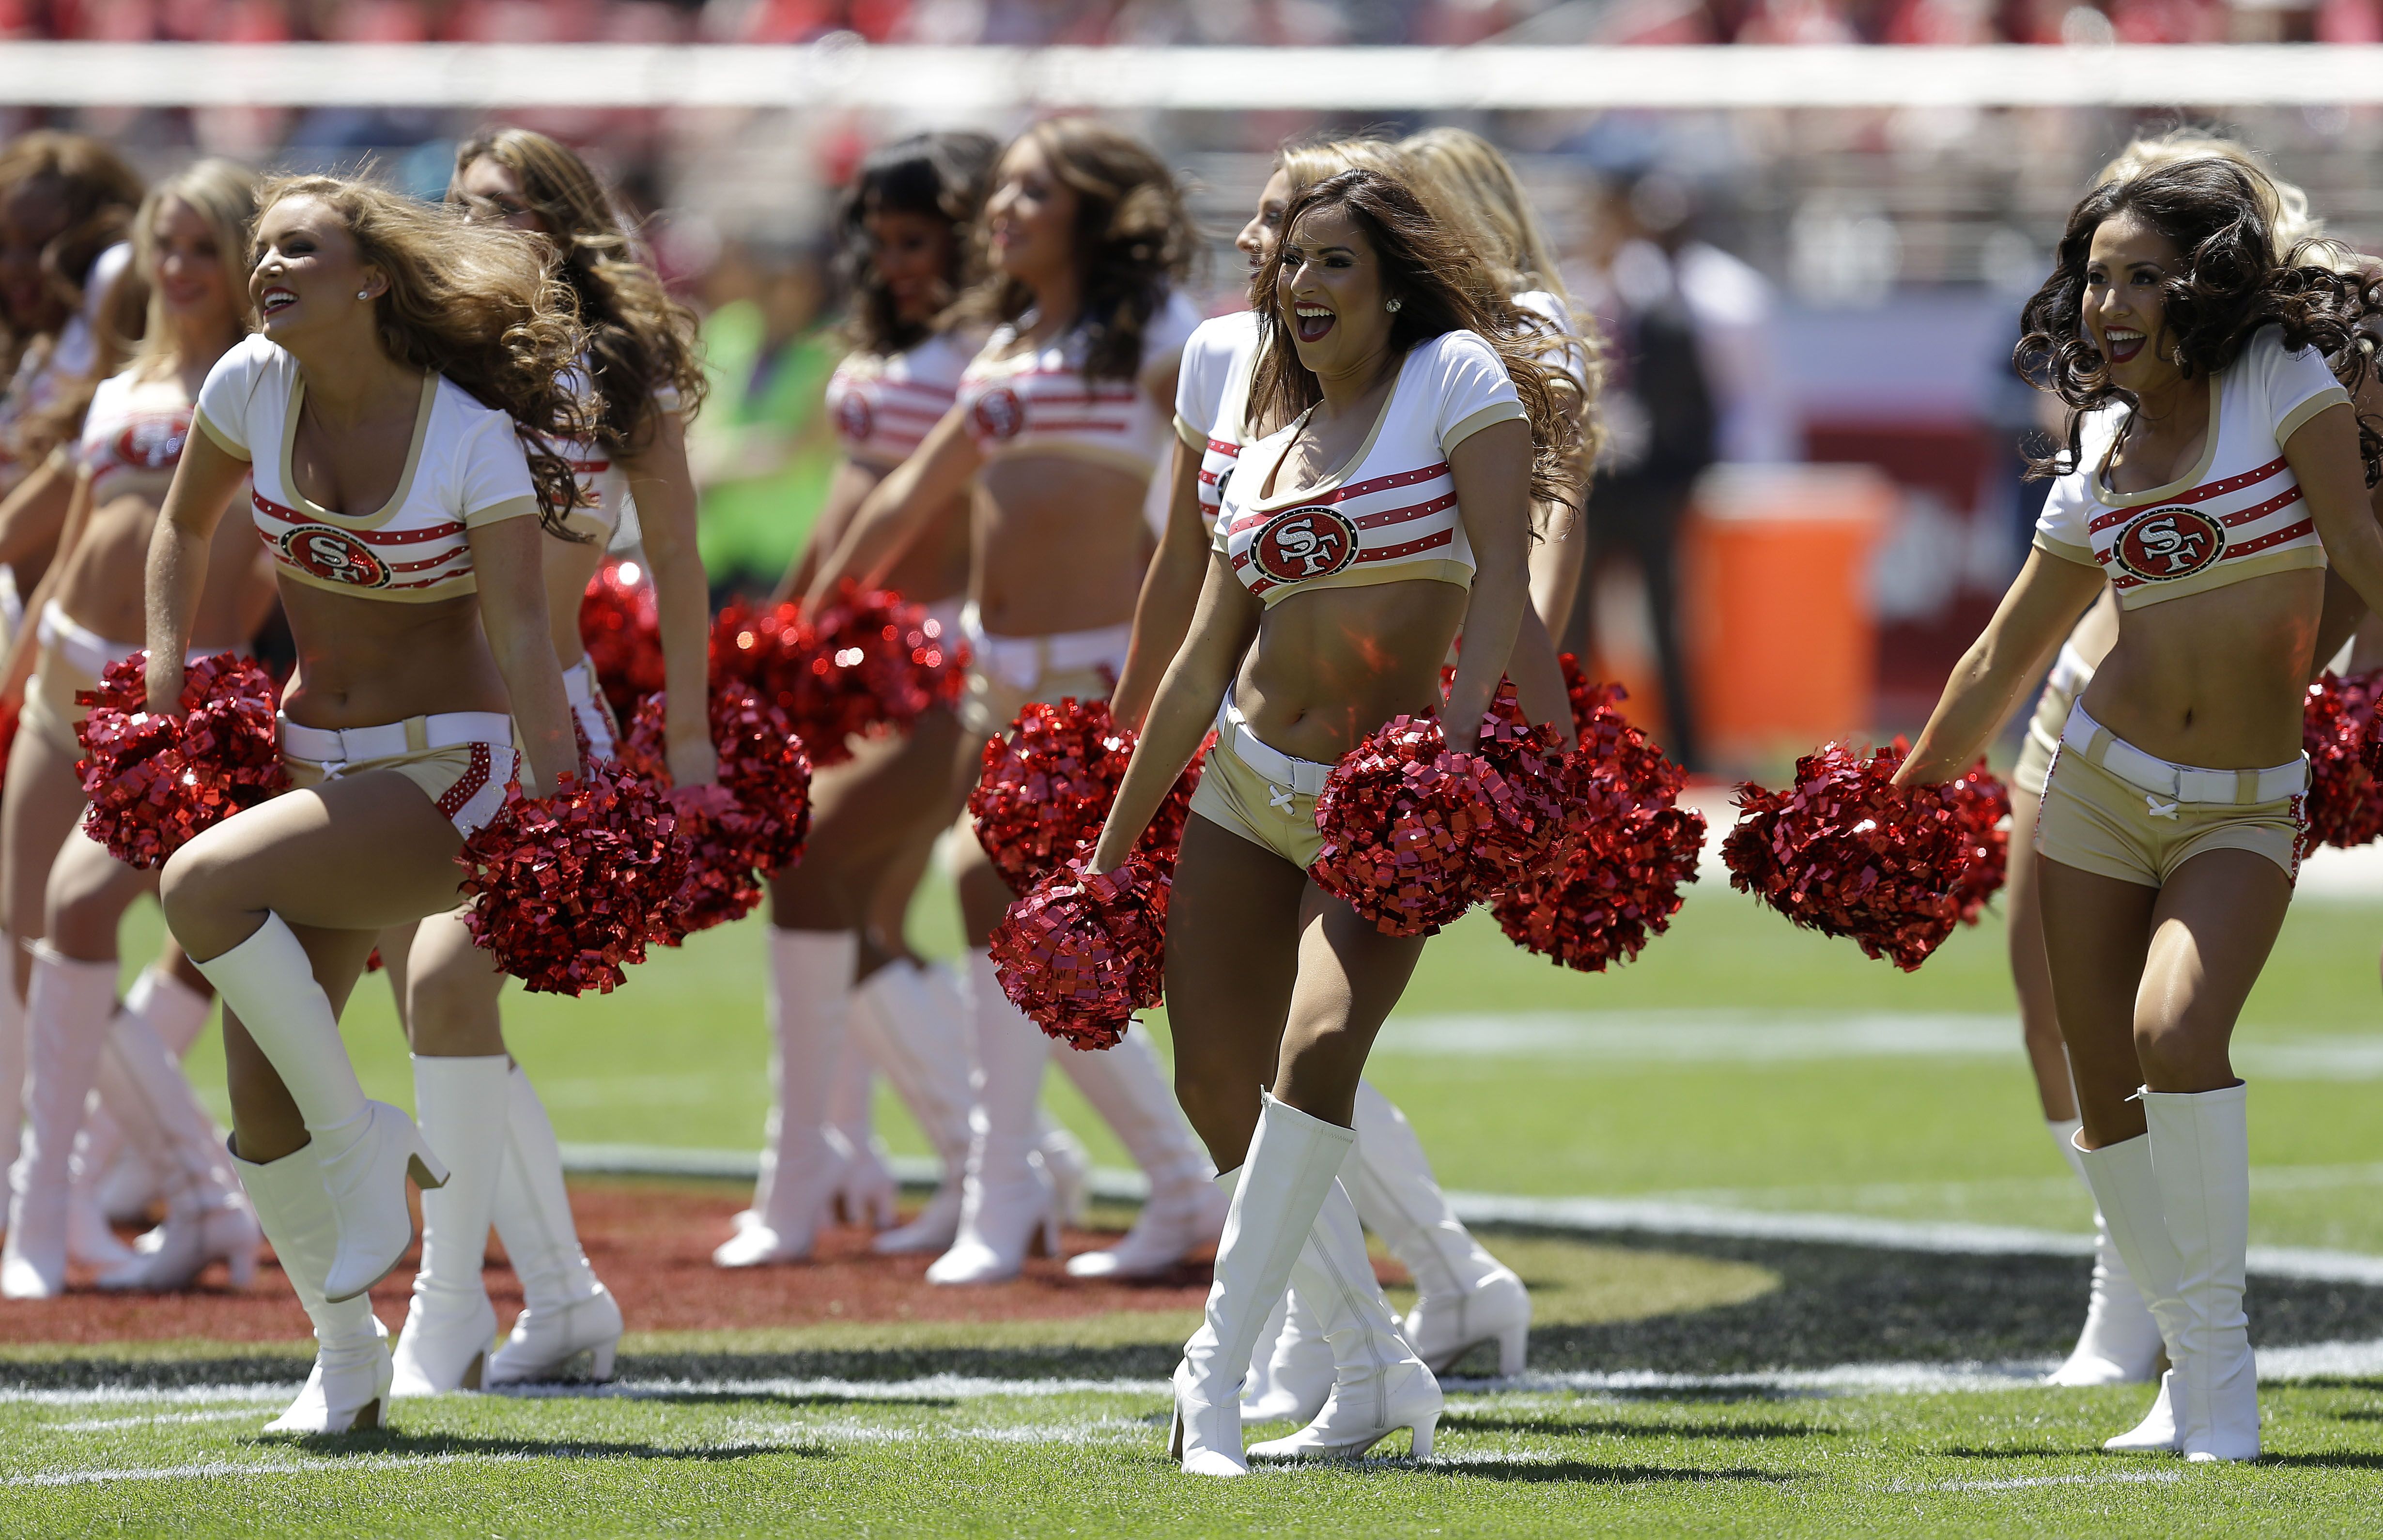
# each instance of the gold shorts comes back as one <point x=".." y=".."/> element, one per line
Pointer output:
<point x="49" y="712"/>
<point x="465" y="780"/>
<point x="1235" y="794"/>
<point x="2101" y="822"/>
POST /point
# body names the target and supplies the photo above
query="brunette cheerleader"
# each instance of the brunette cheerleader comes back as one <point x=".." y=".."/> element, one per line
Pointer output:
<point x="640" y="380"/>
<point x="836" y="946"/>
<point x="395" y="413"/>
<point x="1383" y="367"/>
<point x="1059" y="425"/>
<point x="2214" y="467"/>
<point x="65" y="893"/>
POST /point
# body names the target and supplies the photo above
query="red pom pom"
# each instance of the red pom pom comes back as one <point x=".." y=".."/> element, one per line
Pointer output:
<point x="758" y="815"/>
<point x="1629" y="847"/>
<point x="155" y="780"/>
<point x="565" y="889"/>
<point x="1848" y="852"/>
<point x="1984" y="804"/>
<point x="1082" y="952"/>
<point x="9" y="722"/>
<point x="621" y="627"/>
<point x="1047" y="785"/>
<point x="2337" y="730"/>
<point x="867" y="664"/>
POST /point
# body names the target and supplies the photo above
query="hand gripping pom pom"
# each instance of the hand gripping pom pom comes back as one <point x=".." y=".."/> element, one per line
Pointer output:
<point x="757" y="816"/>
<point x="620" y="625"/>
<point x="1846" y="852"/>
<point x="1628" y="847"/>
<point x="1047" y="785"/>
<point x="155" y="781"/>
<point x="868" y="664"/>
<point x="1082" y="952"/>
<point x="2337" y="728"/>
<point x="1984" y="803"/>
<point x="564" y="889"/>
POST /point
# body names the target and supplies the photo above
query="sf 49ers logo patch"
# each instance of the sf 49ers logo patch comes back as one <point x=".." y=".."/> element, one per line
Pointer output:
<point x="999" y="414"/>
<point x="2169" y="542"/>
<point x="151" y="443"/>
<point x="1304" y="543"/>
<point x="854" y="419"/>
<point x="335" y="555"/>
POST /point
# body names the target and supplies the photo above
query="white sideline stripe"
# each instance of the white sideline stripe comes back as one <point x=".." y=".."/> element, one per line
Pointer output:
<point x="206" y="1470"/>
<point x="930" y="1386"/>
<point x="2016" y="1484"/>
<point x="174" y="1395"/>
<point x="96" y="1424"/>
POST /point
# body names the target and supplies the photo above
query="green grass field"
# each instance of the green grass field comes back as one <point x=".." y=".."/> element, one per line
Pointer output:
<point x="1739" y="1064"/>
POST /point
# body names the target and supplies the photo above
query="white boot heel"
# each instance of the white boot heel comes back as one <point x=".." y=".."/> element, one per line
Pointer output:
<point x="444" y="1345"/>
<point x="367" y="1182"/>
<point x="348" y="1386"/>
<point x="1000" y="1228"/>
<point x="1496" y="1309"/>
<point x="1205" y="1440"/>
<point x="207" y="1219"/>
<point x="550" y="1342"/>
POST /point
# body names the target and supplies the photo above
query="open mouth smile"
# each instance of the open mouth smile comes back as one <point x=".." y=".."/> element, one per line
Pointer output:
<point x="2122" y="344"/>
<point x="1310" y="322"/>
<point x="276" y="299"/>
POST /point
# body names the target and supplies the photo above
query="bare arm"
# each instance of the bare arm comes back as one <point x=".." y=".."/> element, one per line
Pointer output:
<point x="2030" y="622"/>
<point x="664" y="489"/>
<point x="1492" y="471"/>
<point x="509" y="564"/>
<point x="25" y="645"/>
<point x="1538" y="679"/>
<point x="32" y="515"/>
<point x="203" y="483"/>
<point x="1558" y="561"/>
<point x="1170" y="592"/>
<point x="893" y="515"/>
<point x="1222" y="629"/>
<point x="2324" y="458"/>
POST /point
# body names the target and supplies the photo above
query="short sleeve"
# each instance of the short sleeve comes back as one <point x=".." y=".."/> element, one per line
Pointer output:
<point x="106" y="409"/>
<point x="494" y="475"/>
<point x="2064" y="528"/>
<point x="1470" y="389"/>
<point x="2293" y="386"/>
<point x="1200" y="386"/>
<point x="229" y="396"/>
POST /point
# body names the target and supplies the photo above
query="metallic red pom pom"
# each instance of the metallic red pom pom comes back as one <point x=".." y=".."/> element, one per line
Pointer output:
<point x="2337" y="728"/>
<point x="621" y="627"/>
<point x="1848" y="852"/>
<point x="867" y="664"/>
<point x="1047" y="785"/>
<point x="1984" y="803"/>
<point x="565" y="889"/>
<point x="1082" y="952"/>
<point x="155" y="780"/>
<point x="757" y="816"/>
<point x="1615" y="879"/>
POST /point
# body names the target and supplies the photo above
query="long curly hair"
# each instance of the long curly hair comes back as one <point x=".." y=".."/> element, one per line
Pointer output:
<point x="476" y="302"/>
<point x="1133" y="240"/>
<point x="2231" y="281"/>
<point x="937" y="176"/>
<point x="639" y="340"/>
<point x="1428" y="268"/>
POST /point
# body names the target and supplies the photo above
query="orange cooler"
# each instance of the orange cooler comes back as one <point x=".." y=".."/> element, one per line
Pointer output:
<point x="1781" y="644"/>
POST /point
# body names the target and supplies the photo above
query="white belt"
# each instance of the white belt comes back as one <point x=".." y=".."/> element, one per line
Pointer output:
<point x="82" y="648"/>
<point x="1023" y="663"/>
<point x="335" y="748"/>
<point x="1304" y="777"/>
<point x="2071" y="672"/>
<point x="2166" y="786"/>
<point x="578" y="684"/>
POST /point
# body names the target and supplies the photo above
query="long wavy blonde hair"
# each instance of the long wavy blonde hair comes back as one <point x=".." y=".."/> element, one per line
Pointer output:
<point x="223" y="193"/>
<point x="476" y="302"/>
<point x="2290" y="223"/>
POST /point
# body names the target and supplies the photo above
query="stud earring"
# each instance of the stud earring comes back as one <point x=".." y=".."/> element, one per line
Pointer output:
<point x="363" y="293"/>
<point x="1393" y="306"/>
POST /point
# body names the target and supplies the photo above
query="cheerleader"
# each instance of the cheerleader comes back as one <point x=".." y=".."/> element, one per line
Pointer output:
<point x="64" y="905"/>
<point x="1381" y="366"/>
<point x="640" y="379"/>
<point x="1465" y="1298"/>
<point x="836" y="944"/>
<point x="395" y="412"/>
<point x="1059" y="426"/>
<point x="2214" y="467"/>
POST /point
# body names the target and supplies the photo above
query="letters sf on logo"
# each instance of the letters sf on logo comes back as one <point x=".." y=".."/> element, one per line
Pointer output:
<point x="1304" y="543"/>
<point x="335" y="555"/>
<point x="2169" y="542"/>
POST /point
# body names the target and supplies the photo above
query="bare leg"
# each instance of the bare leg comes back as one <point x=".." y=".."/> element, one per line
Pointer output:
<point x="1349" y="977"/>
<point x="2031" y="970"/>
<point x="2097" y="935"/>
<point x="1233" y="961"/>
<point x="39" y="805"/>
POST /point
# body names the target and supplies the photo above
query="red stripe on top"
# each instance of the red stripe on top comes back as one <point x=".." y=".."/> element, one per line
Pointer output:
<point x="2256" y="512"/>
<point x="2199" y="494"/>
<point x="1230" y="452"/>
<point x="369" y="537"/>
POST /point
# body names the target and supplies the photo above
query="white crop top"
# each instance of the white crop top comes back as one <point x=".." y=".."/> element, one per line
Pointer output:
<point x="465" y="469"/>
<point x="1212" y="395"/>
<point x="1039" y="402"/>
<point x="1389" y="513"/>
<point x="884" y="405"/>
<point x="135" y="429"/>
<point x="2236" y="514"/>
<point x="603" y="493"/>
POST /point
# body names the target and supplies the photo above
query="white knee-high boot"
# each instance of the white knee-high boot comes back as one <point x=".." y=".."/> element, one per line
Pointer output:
<point x="1464" y="1297"/>
<point x="67" y="1007"/>
<point x="12" y="1053"/>
<point x="449" y="1323"/>
<point x="2120" y="1344"/>
<point x="125" y="1183"/>
<point x="2129" y="1196"/>
<point x="349" y="1387"/>
<point x="910" y="1021"/>
<point x="1293" y="1163"/>
<point x="1009" y="1199"/>
<point x="865" y="1188"/>
<point x="1291" y="1372"/>
<point x="1379" y="1384"/>
<point x="567" y="1315"/>
<point x="810" y="978"/>
<point x="366" y="1149"/>
<point x="2201" y="1158"/>
<point x="207" y="1215"/>
<point x="1185" y="1212"/>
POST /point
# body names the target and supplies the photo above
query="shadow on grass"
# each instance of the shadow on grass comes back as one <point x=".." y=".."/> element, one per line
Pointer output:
<point x="701" y="1395"/>
<point x="1595" y="1472"/>
<point x="2342" y="1461"/>
<point x="1583" y="1427"/>
<point x="2028" y="1451"/>
<point x="390" y="1441"/>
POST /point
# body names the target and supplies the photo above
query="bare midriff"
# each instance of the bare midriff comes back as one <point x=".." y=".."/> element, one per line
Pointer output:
<point x="1060" y="544"/>
<point x="1331" y="666"/>
<point x="2214" y="679"/>
<point x="932" y="568"/>
<point x="362" y="662"/>
<point x="102" y="585"/>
